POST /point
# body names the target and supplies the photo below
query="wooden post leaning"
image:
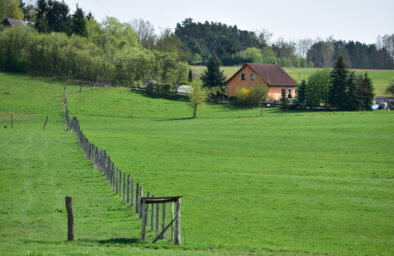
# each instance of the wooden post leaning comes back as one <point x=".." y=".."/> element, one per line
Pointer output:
<point x="70" y="219"/>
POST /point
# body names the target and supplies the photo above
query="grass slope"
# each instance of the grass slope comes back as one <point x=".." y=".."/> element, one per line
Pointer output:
<point x="39" y="168"/>
<point x="303" y="183"/>
<point x="298" y="183"/>
<point x="381" y="78"/>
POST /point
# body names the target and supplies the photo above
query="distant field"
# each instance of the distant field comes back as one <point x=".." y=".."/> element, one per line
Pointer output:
<point x="287" y="183"/>
<point x="381" y="78"/>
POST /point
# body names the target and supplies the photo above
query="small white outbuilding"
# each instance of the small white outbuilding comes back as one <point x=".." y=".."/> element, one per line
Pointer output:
<point x="185" y="88"/>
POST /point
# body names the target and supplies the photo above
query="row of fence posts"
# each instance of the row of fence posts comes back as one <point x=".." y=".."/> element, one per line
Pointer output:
<point x="123" y="185"/>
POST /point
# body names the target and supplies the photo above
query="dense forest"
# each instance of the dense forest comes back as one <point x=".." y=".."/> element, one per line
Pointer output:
<point x="356" y="54"/>
<point x="234" y="46"/>
<point x="76" y="46"/>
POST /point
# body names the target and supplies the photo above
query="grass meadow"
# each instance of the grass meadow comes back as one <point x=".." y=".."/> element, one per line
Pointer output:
<point x="381" y="78"/>
<point x="287" y="183"/>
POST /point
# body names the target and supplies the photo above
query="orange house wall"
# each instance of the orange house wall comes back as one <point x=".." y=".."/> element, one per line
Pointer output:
<point x="274" y="92"/>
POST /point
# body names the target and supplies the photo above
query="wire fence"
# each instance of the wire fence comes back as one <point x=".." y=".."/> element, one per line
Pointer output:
<point x="127" y="188"/>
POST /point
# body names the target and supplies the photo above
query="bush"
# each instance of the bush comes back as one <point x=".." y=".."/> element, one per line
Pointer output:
<point x="252" y="96"/>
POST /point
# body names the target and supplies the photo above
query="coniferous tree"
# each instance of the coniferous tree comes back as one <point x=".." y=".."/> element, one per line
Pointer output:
<point x="213" y="76"/>
<point x="339" y="78"/>
<point x="79" y="22"/>
<point x="367" y="92"/>
<point x="353" y="101"/>
<point x="190" y="76"/>
<point x="41" y="23"/>
<point x="301" y="94"/>
<point x="284" y="101"/>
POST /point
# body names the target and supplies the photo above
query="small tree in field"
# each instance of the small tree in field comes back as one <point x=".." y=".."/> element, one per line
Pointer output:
<point x="197" y="98"/>
<point x="301" y="94"/>
<point x="190" y="79"/>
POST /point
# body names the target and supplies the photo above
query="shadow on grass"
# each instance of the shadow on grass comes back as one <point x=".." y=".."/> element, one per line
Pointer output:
<point x="176" y="119"/>
<point x="120" y="241"/>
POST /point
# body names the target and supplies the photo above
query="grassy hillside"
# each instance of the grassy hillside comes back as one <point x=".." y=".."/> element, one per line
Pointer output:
<point x="288" y="183"/>
<point x="381" y="78"/>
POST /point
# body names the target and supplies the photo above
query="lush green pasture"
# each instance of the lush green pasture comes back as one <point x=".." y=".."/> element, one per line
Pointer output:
<point x="381" y="78"/>
<point x="287" y="183"/>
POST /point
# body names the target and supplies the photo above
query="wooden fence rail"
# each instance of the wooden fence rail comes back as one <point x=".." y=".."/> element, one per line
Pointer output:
<point x="117" y="180"/>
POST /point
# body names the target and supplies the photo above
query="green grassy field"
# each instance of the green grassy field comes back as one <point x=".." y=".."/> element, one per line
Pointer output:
<point x="381" y="78"/>
<point x="288" y="183"/>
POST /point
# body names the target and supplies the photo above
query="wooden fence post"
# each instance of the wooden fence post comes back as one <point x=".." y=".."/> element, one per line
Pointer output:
<point x="116" y="180"/>
<point x="137" y="191"/>
<point x="157" y="219"/>
<point x="132" y="192"/>
<point x="139" y="198"/>
<point x="151" y="216"/>
<point x="146" y="210"/>
<point x="45" y="123"/>
<point x="178" y="222"/>
<point x="120" y="182"/>
<point x="70" y="218"/>
<point x="172" y="225"/>
<point x="12" y="121"/>
<point x="143" y="228"/>
<point x="128" y="188"/>
<point x="124" y="186"/>
<point x="163" y="222"/>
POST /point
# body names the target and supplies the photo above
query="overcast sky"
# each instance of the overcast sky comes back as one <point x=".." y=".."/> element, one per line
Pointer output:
<point x="359" y="20"/>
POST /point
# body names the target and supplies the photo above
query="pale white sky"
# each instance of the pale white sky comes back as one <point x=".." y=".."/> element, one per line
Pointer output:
<point x="361" y="20"/>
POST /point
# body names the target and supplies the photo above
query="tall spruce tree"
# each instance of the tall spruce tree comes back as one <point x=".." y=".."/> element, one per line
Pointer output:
<point x="41" y="23"/>
<point x="301" y="94"/>
<point x="353" y="100"/>
<point x="367" y="92"/>
<point x="79" y="22"/>
<point x="190" y="79"/>
<point x="339" y="77"/>
<point x="213" y="76"/>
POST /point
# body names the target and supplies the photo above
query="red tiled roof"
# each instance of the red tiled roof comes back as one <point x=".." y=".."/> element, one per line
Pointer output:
<point x="272" y="74"/>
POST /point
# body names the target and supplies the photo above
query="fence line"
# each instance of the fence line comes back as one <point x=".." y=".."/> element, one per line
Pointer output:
<point x="103" y="162"/>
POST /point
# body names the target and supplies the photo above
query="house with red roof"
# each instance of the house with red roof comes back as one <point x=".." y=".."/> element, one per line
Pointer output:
<point x="269" y="75"/>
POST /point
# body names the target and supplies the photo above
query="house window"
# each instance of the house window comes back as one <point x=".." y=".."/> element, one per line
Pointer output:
<point x="251" y="76"/>
<point x="283" y="91"/>
<point x="288" y="91"/>
<point x="242" y="76"/>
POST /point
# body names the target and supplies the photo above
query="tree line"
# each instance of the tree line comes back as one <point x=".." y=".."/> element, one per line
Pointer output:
<point x="78" y="47"/>
<point x="234" y="46"/>
<point x="339" y="88"/>
<point x="357" y="55"/>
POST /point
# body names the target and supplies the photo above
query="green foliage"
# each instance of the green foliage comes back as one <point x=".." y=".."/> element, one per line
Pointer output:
<point x="284" y="101"/>
<point x="390" y="88"/>
<point x="190" y="76"/>
<point x="213" y="76"/>
<point x="10" y="9"/>
<point x="353" y="99"/>
<point x="301" y="93"/>
<point x="197" y="98"/>
<point x="357" y="55"/>
<point x="318" y="88"/>
<point x="366" y="90"/>
<point x="339" y="78"/>
<point x="79" y="22"/>
<point x="109" y="54"/>
<point x="253" y="96"/>
<point x="251" y="55"/>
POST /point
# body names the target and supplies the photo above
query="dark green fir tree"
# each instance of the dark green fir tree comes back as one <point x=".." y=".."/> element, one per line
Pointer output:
<point x="353" y="100"/>
<point x="339" y="77"/>
<point x="301" y="94"/>
<point x="213" y="76"/>
<point x="367" y="92"/>
<point x="79" y="22"/>
<point x="190" y="79"/>
<point x="284" y="100"/>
